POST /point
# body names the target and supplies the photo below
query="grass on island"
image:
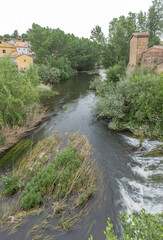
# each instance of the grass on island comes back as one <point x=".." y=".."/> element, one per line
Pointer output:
<point x="56" y="176"/>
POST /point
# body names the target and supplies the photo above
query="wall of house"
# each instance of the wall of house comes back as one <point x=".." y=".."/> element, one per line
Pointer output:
<point x="24" y="61"/>
<point x="5" y="48"/>
<point x="22" y="50"/>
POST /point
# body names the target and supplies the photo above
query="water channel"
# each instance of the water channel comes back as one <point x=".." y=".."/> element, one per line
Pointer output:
<point x="123" y="171"/>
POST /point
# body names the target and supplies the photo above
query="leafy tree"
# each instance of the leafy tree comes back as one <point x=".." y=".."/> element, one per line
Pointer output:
<point x="54" y="46"/>
<point x="15" y="34"/>
<point x="98" y="36"/>
<point x="155" y="22"/>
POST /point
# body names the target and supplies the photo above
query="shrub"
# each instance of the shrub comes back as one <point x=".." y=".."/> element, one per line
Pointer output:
<point x="115" y="72"/>
<point x="48" y="74"/>
<point x="10" y="185"/>
<point x="57" y="177"/>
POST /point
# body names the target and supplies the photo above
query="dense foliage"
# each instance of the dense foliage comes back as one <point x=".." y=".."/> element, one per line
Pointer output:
<point x="133" y="103"/>
<point x="145" y="226"/>
<point x="64" y="51"/>
<point x="17" y="91"/>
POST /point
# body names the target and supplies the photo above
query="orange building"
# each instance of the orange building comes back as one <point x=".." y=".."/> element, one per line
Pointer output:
<point x="23" y="61"/>
<point x="6" y="48"/>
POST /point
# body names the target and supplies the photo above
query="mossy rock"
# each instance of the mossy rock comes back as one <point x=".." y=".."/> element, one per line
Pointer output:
<point x="154" y="153"/>
<point x="158" y="178"/>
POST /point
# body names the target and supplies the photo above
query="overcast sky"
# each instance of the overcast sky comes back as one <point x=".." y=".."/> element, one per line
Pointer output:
<point x="71" y="16"/>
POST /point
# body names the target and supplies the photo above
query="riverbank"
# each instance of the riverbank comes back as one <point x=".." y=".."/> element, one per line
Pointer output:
<point x="10" y="136"/>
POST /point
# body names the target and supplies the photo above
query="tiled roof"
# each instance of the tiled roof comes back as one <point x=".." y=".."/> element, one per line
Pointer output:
<point x="18" y="55"/>
<point x="20" y="46"/>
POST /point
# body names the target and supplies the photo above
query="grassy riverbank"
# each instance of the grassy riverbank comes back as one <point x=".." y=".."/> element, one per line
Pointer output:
<point x="19" y="99"/>
<point x="56" y="175"/>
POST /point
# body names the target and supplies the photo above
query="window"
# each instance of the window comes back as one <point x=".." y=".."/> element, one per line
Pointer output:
<point x="24" y="60"/>
<point x="4" y="51"/>
<point x="0" y="42"/>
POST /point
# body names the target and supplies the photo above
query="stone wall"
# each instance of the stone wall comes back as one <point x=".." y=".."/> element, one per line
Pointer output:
<point x="153" y="57"/>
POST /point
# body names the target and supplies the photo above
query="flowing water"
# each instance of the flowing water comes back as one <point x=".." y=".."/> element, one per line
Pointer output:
<point x="126" y="175"/>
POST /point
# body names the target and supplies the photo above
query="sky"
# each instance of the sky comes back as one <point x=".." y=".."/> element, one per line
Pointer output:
<point x="72" y="16"/>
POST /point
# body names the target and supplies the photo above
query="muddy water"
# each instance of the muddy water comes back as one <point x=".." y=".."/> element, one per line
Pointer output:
<point x="122" y="187"/>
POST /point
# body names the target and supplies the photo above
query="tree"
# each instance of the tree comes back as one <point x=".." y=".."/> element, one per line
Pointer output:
<point x="155" y="22"/>
<point x="15" y="34"/>
<point x="98" y="36"/>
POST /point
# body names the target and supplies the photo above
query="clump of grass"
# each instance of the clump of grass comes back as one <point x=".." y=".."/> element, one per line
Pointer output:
<point x="84" y="197"/>
<point x="59" y="207"/>
<point x="154" y="153"/>
<point x="10" y="185"/>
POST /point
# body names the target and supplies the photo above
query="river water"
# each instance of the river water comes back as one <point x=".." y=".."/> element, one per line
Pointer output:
<point x="125" y="175"/>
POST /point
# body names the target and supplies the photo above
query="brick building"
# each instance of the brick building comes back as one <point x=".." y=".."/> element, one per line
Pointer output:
<point x="141" y="55"/>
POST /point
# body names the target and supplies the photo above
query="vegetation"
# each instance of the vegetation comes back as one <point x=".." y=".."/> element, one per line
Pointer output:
<point x="63" y="175"/>
<point x="18" y="90"/>
<point x="133" y="103"/>
<point x="19" y="112"/>
<point x="144" y="226"/>
<point x="46" y="91"/>
<point x="10" y="184"/>
<point x="48" y="74"/>
<point x="95" y="83"/>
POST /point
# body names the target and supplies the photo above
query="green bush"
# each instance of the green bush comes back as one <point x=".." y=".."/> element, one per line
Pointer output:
<point x="57" y="177"/>
<point x="115" y="72"/>
<point x="145" y="226"/>
<point x="10" y="185"/>
<point x="17" y="91"/>
<point x="48" y="74"/>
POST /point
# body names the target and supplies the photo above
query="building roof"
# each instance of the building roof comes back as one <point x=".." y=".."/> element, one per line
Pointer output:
<point x="140" y="34"/>
<point x="154" y="47"/>
<point x="8" y="44"/>
<point x="21" y="46"/>
<point x="18" y="55"/>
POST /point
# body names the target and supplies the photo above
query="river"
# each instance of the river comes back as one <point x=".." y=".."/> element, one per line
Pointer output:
<point x="123" y="171"/>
